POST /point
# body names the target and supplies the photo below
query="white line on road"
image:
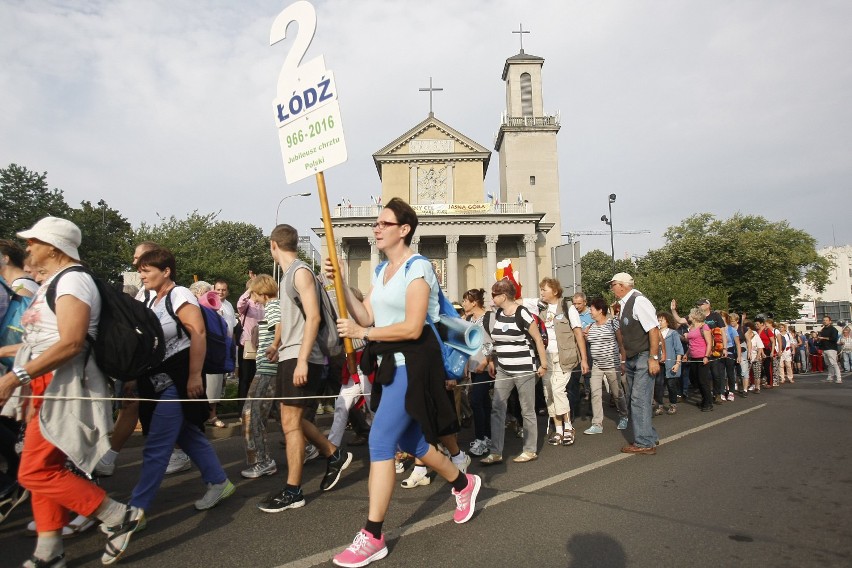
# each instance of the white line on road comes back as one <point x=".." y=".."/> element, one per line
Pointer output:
<point x="323" y="557"/>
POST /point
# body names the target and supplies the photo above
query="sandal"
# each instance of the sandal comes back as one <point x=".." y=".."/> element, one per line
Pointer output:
<point x="55" y="562"/>
<point x="118" y="537"/>
<point x="555" y="439"/>
<point x="215" y="422"/>
<point x="491" y="459"/>
<point x="568" y="437"/>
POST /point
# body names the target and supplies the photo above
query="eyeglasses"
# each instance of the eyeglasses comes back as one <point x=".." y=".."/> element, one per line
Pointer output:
<point x="382" y="225"/>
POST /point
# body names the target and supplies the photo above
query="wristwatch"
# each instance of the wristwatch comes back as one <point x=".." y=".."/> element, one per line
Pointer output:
<point x="367" y="334"/>
<point x="655" y="357"/>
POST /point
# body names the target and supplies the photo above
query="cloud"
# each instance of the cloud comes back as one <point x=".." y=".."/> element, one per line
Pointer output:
<point x="676" y="107"/>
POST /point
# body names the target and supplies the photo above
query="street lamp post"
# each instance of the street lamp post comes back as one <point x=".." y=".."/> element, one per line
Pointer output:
<point x="608" y="221"/>
<point x="277" y="209"/>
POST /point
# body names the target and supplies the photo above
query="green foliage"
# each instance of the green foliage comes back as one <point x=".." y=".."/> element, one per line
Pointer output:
<point x="663" y="287"/>
<point x="107" y="245"/>
<point x="209" y="249"/>
<point x="26" y="198"/>
<point x="757" y="262"/>
<point x="597" y="270"/>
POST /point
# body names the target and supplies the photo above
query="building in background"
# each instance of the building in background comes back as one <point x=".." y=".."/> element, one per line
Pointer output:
<point x="441" y="172"/>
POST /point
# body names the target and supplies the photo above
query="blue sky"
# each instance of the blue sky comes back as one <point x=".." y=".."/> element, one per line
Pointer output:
<point x="678" y="107"/>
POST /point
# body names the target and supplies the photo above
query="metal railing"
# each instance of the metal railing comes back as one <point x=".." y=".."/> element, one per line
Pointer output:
<point x="552" y="120"/>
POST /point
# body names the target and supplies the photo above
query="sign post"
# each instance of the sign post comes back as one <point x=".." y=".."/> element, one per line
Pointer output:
<point x="310" y="129"/>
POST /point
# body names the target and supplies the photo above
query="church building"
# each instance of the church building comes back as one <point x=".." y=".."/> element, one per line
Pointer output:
<point x="441" y="173"/>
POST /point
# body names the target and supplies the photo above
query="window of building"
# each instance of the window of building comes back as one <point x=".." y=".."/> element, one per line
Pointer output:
<point x="532" y="182"/>
<point x="526" y="95"/>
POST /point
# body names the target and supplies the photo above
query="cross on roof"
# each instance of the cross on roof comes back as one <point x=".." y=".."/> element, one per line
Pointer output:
<point x="431" y="90"/>
<point x="521" y="33"/>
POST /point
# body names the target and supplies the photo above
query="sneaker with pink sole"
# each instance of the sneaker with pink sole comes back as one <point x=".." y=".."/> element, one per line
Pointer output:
<point x="466" y="499"/>
<point x="363" y="550"/>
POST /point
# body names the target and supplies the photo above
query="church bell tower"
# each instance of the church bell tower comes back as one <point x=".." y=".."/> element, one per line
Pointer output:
<point x="526" y="143"/>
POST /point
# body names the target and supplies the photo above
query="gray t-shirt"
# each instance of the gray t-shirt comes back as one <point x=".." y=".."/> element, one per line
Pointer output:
<point x="293" y="326"/>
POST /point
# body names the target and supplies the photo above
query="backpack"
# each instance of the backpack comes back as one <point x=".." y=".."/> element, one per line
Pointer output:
<point x="329" y="342"/>
<point x="219" y="358"/>
<point x="11" y="332"/>
<point x="130" y="340"/>
<point x="455" y="360"/>
<point x="718" y="347"/>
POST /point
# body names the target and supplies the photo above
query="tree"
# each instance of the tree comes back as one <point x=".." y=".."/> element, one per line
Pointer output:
<point x="26" y="198"/>
<point x="107" y="245"/>
<point x="758" y="262"/>
<point x="211" y="249"/>
<point x="596" y="269"/>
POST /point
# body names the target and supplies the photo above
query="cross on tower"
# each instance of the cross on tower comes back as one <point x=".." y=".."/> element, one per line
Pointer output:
<point x="521" y="33"/>
<point x="431" y="90"/>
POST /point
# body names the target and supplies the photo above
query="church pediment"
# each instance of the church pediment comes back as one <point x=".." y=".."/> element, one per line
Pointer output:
<point x="429" y="140"/>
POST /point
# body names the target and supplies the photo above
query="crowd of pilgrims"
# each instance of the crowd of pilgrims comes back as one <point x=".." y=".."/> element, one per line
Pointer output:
<point x="554" y="357"/>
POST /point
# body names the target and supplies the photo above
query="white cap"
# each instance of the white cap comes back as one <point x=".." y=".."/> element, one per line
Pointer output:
<point x="622" y="277"/>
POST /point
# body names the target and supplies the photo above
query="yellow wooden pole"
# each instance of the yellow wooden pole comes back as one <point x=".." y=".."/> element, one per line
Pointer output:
<point x="338" y="276"/>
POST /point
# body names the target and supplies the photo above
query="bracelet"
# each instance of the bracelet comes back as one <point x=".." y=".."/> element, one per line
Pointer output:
<point x="23" y="376"/>
<point x="367" y="334"/>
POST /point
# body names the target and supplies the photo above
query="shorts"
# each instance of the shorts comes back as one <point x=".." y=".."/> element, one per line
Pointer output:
<point x="285" y="388"/>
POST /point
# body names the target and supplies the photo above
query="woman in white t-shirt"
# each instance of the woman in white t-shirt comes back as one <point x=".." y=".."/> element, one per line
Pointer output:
<point x="178" y="377"/>
<point x="55" y="360"/>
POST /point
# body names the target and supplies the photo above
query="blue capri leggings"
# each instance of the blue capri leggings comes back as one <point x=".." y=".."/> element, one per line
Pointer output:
<point x="392" y="426"/>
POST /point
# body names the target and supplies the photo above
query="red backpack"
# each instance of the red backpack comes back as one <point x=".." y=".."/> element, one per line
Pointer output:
<point x="718" y="348"/>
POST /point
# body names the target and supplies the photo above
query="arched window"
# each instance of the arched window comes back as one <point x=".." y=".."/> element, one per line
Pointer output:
<point x="526" y="95"/>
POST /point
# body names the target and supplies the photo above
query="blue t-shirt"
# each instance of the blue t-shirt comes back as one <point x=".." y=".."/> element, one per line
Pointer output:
<point x="388" y="300"/>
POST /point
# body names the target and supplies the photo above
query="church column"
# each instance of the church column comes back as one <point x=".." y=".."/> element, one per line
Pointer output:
<point x="491" y="259"/>
<point x="531" y="264"/>
<point x="415" y="245"/>
<point x="374" y="255"/>
<point x="451" y="197"/>
<point x="453" y="267"/>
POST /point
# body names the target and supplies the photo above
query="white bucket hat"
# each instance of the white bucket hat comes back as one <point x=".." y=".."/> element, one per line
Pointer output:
<point x="59" y="233"/>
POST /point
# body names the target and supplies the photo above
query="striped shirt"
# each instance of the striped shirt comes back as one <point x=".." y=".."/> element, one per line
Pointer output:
<point x="265" y="335"/>
<point x="513" y="351"/>
<point x="604" y="345"/>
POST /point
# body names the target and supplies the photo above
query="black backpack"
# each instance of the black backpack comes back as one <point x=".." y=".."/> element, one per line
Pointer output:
<point x="130" y="340"/>
<point x="220" y="347"/>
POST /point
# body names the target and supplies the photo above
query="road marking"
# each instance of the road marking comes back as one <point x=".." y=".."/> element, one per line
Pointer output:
<point x="324" y="557"/>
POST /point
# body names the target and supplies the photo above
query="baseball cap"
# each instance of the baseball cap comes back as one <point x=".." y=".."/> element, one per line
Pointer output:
<point x="702" y="301"/>
<point x="623" y="278"/>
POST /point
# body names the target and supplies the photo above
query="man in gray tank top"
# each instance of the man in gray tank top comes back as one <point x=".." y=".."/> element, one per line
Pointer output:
<point x="641" y="333"/>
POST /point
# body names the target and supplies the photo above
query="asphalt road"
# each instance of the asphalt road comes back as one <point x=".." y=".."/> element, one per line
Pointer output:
<point x="762" y="481"/>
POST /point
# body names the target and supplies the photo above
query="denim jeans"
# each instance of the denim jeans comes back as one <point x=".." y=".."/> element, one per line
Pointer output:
<point x="168" y="428"/>
<point x="641" y="397"/>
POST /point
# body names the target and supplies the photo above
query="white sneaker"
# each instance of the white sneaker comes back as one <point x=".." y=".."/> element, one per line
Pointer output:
<point x="178" y="462"/>
<point x="479" y="447"/>
<point x="320" y="409"/>
<point x="311" y="452"/>
<point x="417" y="478"/>
<point x="462" y="461"/>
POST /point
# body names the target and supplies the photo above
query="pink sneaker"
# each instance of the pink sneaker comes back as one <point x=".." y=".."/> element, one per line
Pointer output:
<point x="466" y="499"/>
<point x="363" y="550"/>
